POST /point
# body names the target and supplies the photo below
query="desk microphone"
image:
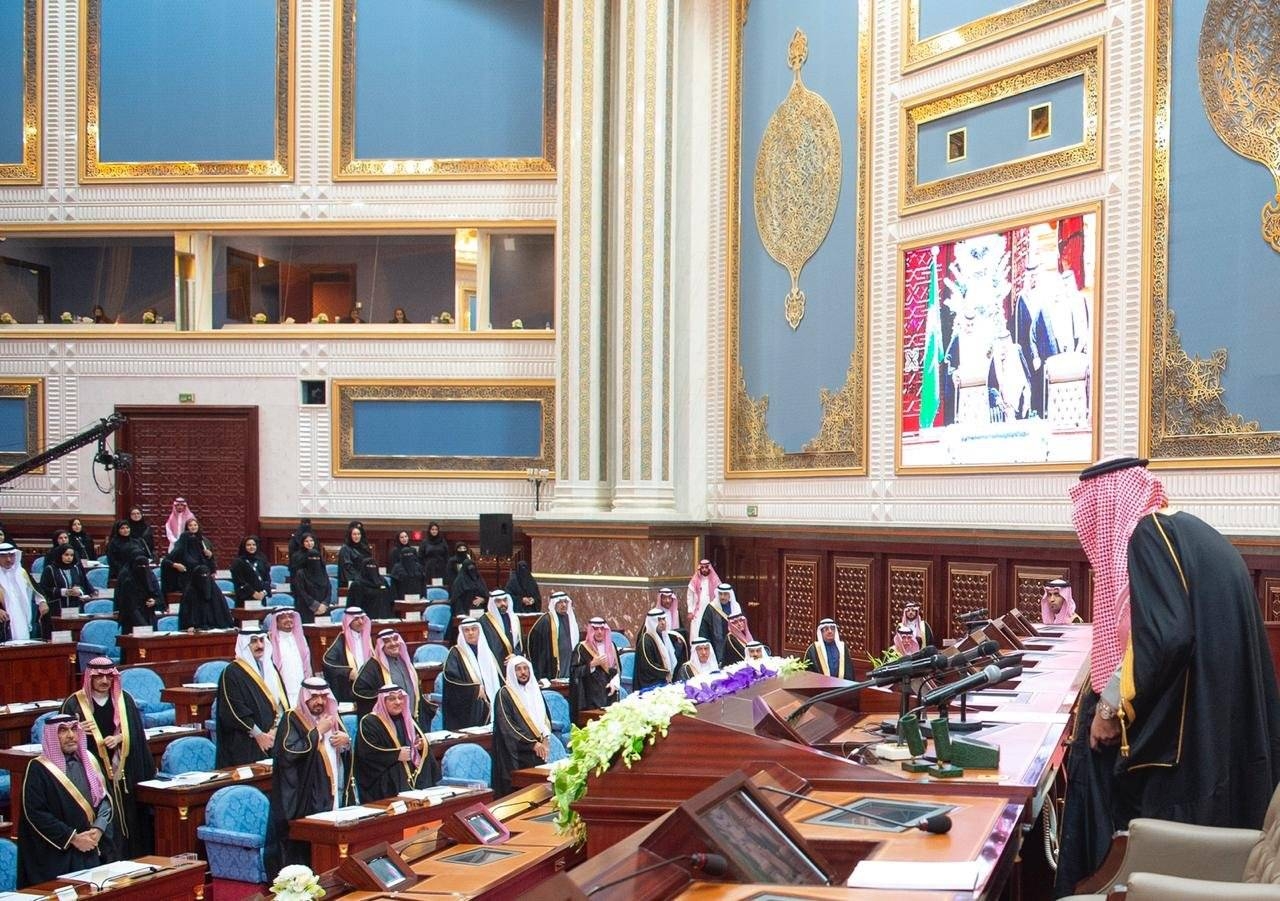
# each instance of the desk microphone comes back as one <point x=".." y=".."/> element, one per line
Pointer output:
<point x="989" y="676"/>
<point x="973" y="616"/>
<point x="926" y="651"/>
<point x="711" y="864"/>
<point x="938" y="824"/>
<point x="985" y="649"/>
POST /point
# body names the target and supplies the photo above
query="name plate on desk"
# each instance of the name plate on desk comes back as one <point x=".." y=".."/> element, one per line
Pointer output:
<point x="249" y="624"/>
<point x="62" y="635"/>
<point x="397" y="807"/>
<point x="413" y="616"/>
<point x="70" y="611"/>
<point x="413" y="597"/>
<point x="244" y="772"/>
<point x="66" y="893"/>
<point x="144" y="630"/>
<point x="253" y="605"/>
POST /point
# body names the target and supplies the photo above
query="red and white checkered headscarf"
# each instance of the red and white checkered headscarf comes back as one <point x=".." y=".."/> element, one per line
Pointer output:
<point x="104" y="666"/>
<point x="1106" y="509"/>
<point x="299" y="640"/>
<point x="53" y="753"/>
<point x="312" y="688"/>
<point x="380" y="710"/>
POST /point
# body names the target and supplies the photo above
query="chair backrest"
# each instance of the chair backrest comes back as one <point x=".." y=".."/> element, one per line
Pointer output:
<point x="142" y="683"/>
<point x="210" y="670"/>
<point x="167" y="624"/>
<point x="94" y="608"/>
<point x="188" y="754"/>
<point x="279" y="573"/>
<point x="430" y="653"/>
<point x="8" y="865"/>
<point x="98" y="577"/>
<point x="558" y="707"/>
<point x="556" y="750"/>
<point x="101" y="631"/>
<point x="438" y="687"/>
<point x="226" y="586"/>
<point x="620" y="641"/>
<point x="333" y="589"/>
<point x="436" y="593"/>
<point x="438" y="615"/>
<point x="1263" y="865"/>
<point x="280" y="600"/>
<point x="238" y="808"/>
<point x="437" y="721"/>
<point x="467" y="761"/>
<point x="37" y="567"/>
<point x="37" y="728"/>
<point x="336" y="614"/>
<point x="331" y="569"/>
<point x="351" y="723"/>
<point x="627" y="665"/>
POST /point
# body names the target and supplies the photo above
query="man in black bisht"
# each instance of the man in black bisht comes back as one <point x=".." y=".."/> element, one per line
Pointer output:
<point x="521" y="726"/>
<point x="251" y="699"/>
<point x="471" y="679"/>
<point x="713" y="620"/>
<point x="311" y="771"/>
<point x="66" y="808"/>
<point x="552" y="639"/>
<point x="392" y="754"/>
<point x="594" y="682"/>
<point x="658" y="657"/>
<point x="348" y="653"/>
<point x="390" y="664"/>
<point x="118" y="740"/>
<point x="501" y="627"/>
<point x="1182" y="717"/>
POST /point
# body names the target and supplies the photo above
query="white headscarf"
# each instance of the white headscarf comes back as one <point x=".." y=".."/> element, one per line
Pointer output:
<point x="821" y="649"/>
<point x="662" y="639"/>
<point x="481" y="662"/>
<point x="696" y="666"/>
<point x="732" y="609"/>
<point x="270" y="677"/>
<point x="513" y="620"/>
<point x="289" y="652"/>
<point x="16" y="588"/>
<point x="528" y="696"/>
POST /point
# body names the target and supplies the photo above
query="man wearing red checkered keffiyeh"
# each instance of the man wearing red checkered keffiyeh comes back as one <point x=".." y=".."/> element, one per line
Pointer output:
<point x="1182" y="719"/>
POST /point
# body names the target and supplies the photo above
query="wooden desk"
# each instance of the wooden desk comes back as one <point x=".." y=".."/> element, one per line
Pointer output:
<point x="177" y="646"/>
<point x="16" y="760"/>
<point x="181" y="881"/>
<point x="331" y="842"/>
<point x="509" y="877"/>
<point x="37" y="672"/>
<point x="178" y="811"/>
<point x="190" y="705"/>
<point x="15" y="725"/>
<point x="174" y="672"/>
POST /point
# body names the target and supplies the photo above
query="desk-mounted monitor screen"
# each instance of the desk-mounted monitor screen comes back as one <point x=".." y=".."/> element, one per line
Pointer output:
<point x="749" y="835"/>
<point x="385" y="869"/>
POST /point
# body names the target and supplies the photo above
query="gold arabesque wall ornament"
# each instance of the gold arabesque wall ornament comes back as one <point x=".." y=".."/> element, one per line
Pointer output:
<point x="797" y="179"/>
<point x="1240" y="87"/>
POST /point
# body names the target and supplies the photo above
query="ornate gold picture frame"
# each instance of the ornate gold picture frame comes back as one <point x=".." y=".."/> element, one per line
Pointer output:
<point x="31" y="393"/>
<point x="348" y="167"/>
<point x="28" y="171"/>
<point x="347" y="463"/>
<point x="94" y="169"/>
<point x="918" y="51"/>
<point x="840" y="446"/>
<point x="1086" y="156"/>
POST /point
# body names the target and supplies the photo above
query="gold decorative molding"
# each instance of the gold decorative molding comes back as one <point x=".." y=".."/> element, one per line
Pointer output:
<point x="28" y="171"/>
<point x="93" y="169"/>
<point x="565" y="321"/>
<point x="918" y="52"/>
<point x="346" y="463"/>
<point x="1081" y="61"/>
<point x="348" y="167"/>
<point x="1239" y="59"/>
<point x="797" y="179"/>
<point x="1185" y="420"/>
<point x="840" y="446"/>
<point x="31" y="391"/>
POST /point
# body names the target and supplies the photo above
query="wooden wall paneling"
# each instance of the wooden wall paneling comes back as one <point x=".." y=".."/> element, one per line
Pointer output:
<point x="1271" y="597"/>
<point x="908" y="580"/>
<point x="970" y="586"/>
<point x="766" y="619"/>
<point x="1028" y="587"/>
<point x="801" y="591"/>
<point x="851" y="588"/>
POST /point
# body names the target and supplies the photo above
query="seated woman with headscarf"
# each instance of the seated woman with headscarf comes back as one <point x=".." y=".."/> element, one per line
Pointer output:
<point x="351" y="556"/>
<point x="369" y="591"/>
<point x="203" y="605"/>
<point x="138" y="601"/>
<point x="405" y="569"/>
<point x="63" y="584"/>
<point x="309" y="581"/>
<point x="122" y="548"/>
<point x="250" y="573"/>
<point x="523" y="588"/>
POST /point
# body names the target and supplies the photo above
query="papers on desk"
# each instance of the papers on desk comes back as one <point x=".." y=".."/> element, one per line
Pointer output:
<point x="478" y="730"/>
<point x="185" y="780"/>
<point x="171" y="730"/>
<point x="97" y="876"/>
<point x="347" y="814"/>
<point x="441" y="735"/>
<point x="22" y="706"/>
<point x="28" y="749"/>
<point x="434" y="795"/>
<point x="346" y="707"/>
<point x="20" y="896"/>
<point x="917" y="875"/>
<point x="206" y="686"/>
<point x="21" y="642"/>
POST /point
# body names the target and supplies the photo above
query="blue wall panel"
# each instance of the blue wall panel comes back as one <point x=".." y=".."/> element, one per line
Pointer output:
<point x="1224" y="281"/>
<point x="11" y="81"/>
<point x="448" y="78"/>
<point x="440" y="428"/>
<point x="997" y="132"/>
<point x="791" y="367"/>
<point x="937" y="16"/>
<point x="188" y="81"/>
<point x="13" y="425"/>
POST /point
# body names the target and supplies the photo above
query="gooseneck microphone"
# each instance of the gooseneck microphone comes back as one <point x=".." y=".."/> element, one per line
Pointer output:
<point x="985" y="649"/>
<point x="711" y="864"/>
<point x="938" y="824"/>
<point x="989" y="676"/>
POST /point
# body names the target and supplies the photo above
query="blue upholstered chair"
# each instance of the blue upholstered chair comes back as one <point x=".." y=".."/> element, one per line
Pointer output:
<point x="466" y="764"/>
<point x="280" y="600"/>
<point x="557" y="751"/>
<point x="167" y="624"/>
<point x="210" y="671"/>
<point x="351" y="723"/>
<point x="435" y="594"/>
<point x="234" y="833"/>
<point x="37" y="728"/>
<point x="558" y="707"/>
<point x="98" y="576"/>
<point x="333" y="589"/>
<point x="97" y="608"/>
<point x="437" y="617"/>
<point x="279" y="574"/>
<point x="437" y="721"/>
<point x="335" y="614"/>
<point x="37" y="567"/>
<point x="5" y="789"/>
<point x="620" y="641"/>
<point x="436" y="695"/>
<point x="8" y="865"/>
<point x="145" y="686"/>
<point x="331" y="569"/>
<point x="188" y="754"/>
<point x="627" y="668"/>
<point x="226" y="586"/>
<point x="98" y="639"/>
<point x="430" y="653"/>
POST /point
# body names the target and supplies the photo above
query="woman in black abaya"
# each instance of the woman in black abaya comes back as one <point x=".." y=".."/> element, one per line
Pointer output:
<point x="250" y="572"/>
<point x="405" y="569"/>
<point x="526" y="597"/>
<point x="354" y="551"/>
<point x="434" y="554"/>
<point x="122" y="548"/>
<point x="63" y="584"/>
<point x="369" y="592"/>
<point x="309" y="581"/>
<point x="138" y="601"/>
<point x="140" y="530"/>
<point x="203" y="605"/>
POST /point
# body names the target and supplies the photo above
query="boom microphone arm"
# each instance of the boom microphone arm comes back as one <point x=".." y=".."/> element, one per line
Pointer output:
<point x="96" y="433"/>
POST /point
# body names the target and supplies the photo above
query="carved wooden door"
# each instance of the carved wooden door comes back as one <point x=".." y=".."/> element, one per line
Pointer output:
<point x="208" y="455"/>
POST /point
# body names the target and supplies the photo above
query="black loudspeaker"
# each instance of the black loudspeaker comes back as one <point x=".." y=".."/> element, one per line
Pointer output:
<point x="495" y="534"/>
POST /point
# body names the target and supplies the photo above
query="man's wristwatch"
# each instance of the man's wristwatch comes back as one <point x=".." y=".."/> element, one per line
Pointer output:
<point x="1105" y="710"/>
